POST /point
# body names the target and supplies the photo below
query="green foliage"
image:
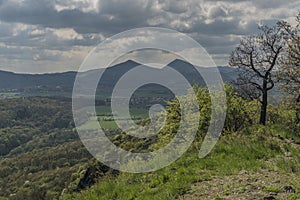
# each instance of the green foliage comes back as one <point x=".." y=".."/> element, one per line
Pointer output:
<point x="243" y="146"/>
<point x="240" y="113"/>
<point x="283" y="114"/>
<point x="38" y="148"/>
<point x="233" y="153"/>
<point x="42" y="157"/>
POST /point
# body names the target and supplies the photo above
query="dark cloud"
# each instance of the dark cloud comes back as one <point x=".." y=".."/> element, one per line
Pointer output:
<point x="217" y="11"/>
<point x="113" y="17"/>
<point x="176" y="6"/>
<point x="118" y="15"/>
<point x="271" y="3"/>
<point x="28" y="11"/>
<point x="260" y="3"/>
<point x="34" y="26"/>
<point x="5" y="30"/>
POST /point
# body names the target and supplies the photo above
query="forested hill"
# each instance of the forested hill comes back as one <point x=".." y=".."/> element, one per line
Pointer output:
<point x="38" y="147"/>
<point x="42" y="158"/>
<point x="65" y="80"/>
<point x="10" y="80"/>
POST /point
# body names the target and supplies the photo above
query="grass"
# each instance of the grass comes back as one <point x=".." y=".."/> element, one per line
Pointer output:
<point x="232" y="154"/>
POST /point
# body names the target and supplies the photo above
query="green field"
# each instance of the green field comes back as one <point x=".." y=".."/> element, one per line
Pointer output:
<point x="6" y="95"/>
<point x="106" y="120"/>
<point x="134" y="111"/>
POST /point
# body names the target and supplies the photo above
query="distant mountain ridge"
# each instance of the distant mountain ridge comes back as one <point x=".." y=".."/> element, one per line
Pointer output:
<point x="65" y="80"/>
<point x="10" y="80"/>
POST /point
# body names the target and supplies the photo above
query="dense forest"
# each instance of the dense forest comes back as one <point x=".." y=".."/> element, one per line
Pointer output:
<point x="38" y="147"/>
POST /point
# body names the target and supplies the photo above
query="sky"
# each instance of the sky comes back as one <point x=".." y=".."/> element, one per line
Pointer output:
<point x="42" y="36"/>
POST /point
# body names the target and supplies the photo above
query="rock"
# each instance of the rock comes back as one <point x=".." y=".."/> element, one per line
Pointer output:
<point x="243" y="172"/>
<point x="269" y="198"/>
<point x="273" y="193"/>
<point x="280" y="137"/>
<point x="288" y="154"/>
<point x="91" y="174"/>
<point x="289" y="189"/>
<point x="27" y="182"/>
<point x="264" y="167"/>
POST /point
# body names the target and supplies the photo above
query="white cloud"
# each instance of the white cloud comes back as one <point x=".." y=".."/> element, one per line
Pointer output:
<point x="66" y="27"/>
<point x="83" y="5"/>
<point x="67" y="34"/>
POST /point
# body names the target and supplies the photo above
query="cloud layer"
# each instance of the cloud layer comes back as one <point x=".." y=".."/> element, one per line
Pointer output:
<point x="55" y="35"/>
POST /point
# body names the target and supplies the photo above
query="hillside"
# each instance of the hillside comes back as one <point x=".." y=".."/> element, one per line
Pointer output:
<point x="249" y="161"/>
<point x="62" y="83"/>
<point x="39" y="150"/>
<point x="240" y="167"/>
<point x="42" y="158"/>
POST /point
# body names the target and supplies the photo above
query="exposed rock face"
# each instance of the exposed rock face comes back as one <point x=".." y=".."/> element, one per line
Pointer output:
<point x="92" y="174"/>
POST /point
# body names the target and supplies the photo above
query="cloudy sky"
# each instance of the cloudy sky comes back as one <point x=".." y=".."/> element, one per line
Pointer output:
<point x="39" y="36"/>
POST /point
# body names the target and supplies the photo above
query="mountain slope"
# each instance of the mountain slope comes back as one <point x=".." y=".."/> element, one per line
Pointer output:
<point x="64" y="81"/>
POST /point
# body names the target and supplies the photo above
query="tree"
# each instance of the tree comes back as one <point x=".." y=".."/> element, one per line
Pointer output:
<point x="257" y="56"/>
<point x="289" y="73"/>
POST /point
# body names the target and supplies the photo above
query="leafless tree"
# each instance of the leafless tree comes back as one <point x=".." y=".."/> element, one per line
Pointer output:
<point x="257" y="57"/>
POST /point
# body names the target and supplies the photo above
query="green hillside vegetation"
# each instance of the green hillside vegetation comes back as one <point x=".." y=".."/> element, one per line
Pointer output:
<point x="244" y="150"/>
<point x="39" y="149"/>
<point x="42" y="158"/>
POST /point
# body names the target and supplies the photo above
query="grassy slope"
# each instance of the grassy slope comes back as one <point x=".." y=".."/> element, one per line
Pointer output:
<point x="240" y="166"/>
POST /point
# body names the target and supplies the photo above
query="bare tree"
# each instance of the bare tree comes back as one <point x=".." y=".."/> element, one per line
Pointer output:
<point x="257" y="56"/>
<point x="245" y="90"/>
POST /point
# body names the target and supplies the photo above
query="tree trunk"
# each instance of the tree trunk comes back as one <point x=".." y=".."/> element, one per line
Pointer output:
<point x="297" y="110"/>
<point x="264" y="104"/>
